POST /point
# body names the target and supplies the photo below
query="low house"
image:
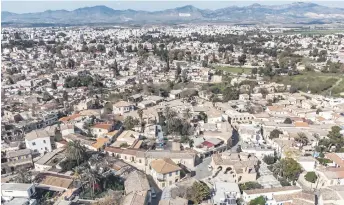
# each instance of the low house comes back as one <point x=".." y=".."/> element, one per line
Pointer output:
<point x="175" y="94"/>
<point x="38" y="141"/>
<point x="136" y="98"/>
<point x="122" y="107"/>
<point x="15" y="160"/>
<point x="49" y="160"/>
<point x="240" y="167"/>
<point x="126" y="138"/>
<point x="225" y="193"/>
<point x="280" y="195"/>
<point x="164" y="172"/>
<point x="331" y="195"/>
<point x="331" y="176"/>
<point x="336" y="158"/>
<point x="83" y="105"/>
<point x="136" y="189"/>
<point x="101" y="129"/>
<point x="16" y="190"/>
<point x="57" y="182"/>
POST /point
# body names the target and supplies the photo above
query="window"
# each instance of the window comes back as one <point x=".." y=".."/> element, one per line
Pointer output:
<point x="34" y="143"/>
<point x="44" y="141"/>
<point x="46" y="148"/>
<point x="35" y="150"/>
<point x="140" y="161"/>
<point x="163" y="184"/>
<point x="177" y="172"/>
<point x="170" y="174"/>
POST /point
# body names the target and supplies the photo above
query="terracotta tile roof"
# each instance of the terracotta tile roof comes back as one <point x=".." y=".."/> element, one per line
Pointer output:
<point x="101" y="141"/>
<point x="69" y="118"/>
<point x="102" y="126"/>
<point x="57" y="181"/>
<point x="112" y="133"/>
<point x="275" y="108"/>
<point x="335" y="158"/>
<point x="165" y="165"/>
<point x="113" y="149"/>
<point x="301" y="124"/>
<point x="320" y="118"/>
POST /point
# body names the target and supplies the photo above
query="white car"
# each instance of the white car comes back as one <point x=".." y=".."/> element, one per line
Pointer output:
<point x="210" y="167"/>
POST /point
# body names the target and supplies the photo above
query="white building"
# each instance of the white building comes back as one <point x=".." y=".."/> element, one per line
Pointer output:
<point x="17" y="190"/>
<point x="225" y="193"/>
<point x="38" y="141"/>
<point x="122" y="107"/>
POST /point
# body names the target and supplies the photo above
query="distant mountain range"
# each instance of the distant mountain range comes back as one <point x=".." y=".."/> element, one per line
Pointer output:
<point x="298" y="12"/>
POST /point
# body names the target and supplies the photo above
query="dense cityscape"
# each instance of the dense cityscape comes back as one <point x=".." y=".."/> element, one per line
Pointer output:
<point x="172" y="115"/>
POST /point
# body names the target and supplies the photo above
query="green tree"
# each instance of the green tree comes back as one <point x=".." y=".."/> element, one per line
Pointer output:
<point x="258" y="201"/>
<point x="254" y="71"/>
<point x="23" y="176"/>
<point x="287" y="168"/>
<point x="302" y="139"/>
<point x="275" y="134"/>
<point x="203" y="116"/>
<point x="140" y="113"/>
<point x="200" y="192"/>
<point x="76" y="151"/>
<point x="53" y="85"/>
<point x="250" y="186"/>
<point x="311" y="177"/>
<point x="65" y="96"/>
<point x="230" y="93"/>
<point x="92" y="178"/>
<point x="46" y="96"/>
<point x="187" y="113"/>
<point x="288" y="121"/>
<point x="130" y="122"/>
<point x="269" y="159"/>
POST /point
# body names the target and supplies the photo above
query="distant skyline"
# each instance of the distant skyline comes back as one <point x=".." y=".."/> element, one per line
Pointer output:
<point x="40" y="6"/>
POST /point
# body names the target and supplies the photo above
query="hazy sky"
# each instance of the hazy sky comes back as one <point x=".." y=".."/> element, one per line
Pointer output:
<point x="38" y="6"/>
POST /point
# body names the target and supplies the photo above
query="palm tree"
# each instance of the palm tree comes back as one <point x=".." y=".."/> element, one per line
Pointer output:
<point x="187" y="113"/>
<point x="23" y="176"/>
<point x="76" y="151"/>
<point x="169" y="113"/>
<point x="302" y="139"/>
<point x="77" y="172"/>
<point x="140" y="113"/>
<point x="278" y="169"/>
<point x="92" y="177"/>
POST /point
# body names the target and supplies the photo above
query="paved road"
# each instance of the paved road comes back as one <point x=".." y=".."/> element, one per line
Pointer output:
<point x="202" y="170"/>
<point x="236" y="141"/>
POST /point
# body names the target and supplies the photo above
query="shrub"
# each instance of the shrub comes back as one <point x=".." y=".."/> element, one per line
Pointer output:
<point x="269" y="159"/>
<point x="250" y="185"/>
<point x="275" y="134"/>
<point x="68" y="165"/>
<point x="288" y="121"/>
<point x="311" y="177"/>
<point x="284" y="182"/>
<point x="324" y="161"/>
<point x="258" y="201"/>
